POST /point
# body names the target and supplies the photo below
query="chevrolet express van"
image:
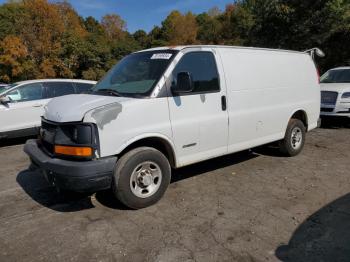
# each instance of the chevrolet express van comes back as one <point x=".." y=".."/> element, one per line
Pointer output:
<point x="166" y="108"/>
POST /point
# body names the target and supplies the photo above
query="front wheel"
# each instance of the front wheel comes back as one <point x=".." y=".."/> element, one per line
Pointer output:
<point x="294" y="139"/>
<point x="141" y="177"/>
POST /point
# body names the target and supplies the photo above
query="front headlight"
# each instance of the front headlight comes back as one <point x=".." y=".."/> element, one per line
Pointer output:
<point x="346" y="95"/>
<point x="75" y="140"/>
<point x="78" y="134"/>
<point x="64" y="140"/>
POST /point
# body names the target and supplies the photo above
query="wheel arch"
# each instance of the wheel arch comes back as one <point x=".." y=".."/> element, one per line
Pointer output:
<point x="302" y="116"/>
<point x="157" y="141"/>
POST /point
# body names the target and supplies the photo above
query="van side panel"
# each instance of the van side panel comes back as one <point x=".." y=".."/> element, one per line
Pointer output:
<point x="264" y="89"/>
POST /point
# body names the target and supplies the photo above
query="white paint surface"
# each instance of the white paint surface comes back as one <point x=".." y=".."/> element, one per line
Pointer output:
<point x="264" y="88"/>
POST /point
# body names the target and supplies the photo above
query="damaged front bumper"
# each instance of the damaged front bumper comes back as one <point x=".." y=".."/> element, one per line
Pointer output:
<point x="79" y="176"/>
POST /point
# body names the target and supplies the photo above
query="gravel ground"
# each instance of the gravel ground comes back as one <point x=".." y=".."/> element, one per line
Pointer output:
<point x="250" y="206"/>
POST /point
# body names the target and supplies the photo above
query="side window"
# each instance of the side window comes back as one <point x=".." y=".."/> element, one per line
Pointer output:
<point x="203" y="70"/>
<point x="83" y="87"/>
<point x="55" y="89"/>
<point x="27" y="92"/>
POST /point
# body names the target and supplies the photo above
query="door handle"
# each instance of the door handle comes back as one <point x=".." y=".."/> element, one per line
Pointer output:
<point x="37" y="105"/>
<point x="223" y="103"/>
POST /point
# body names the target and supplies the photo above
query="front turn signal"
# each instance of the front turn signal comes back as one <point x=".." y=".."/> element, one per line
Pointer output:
<point x="73" y="151"/>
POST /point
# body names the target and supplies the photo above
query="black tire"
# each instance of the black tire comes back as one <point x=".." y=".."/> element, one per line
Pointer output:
<point x="287" y="145"/>
<point x="124" y="169"/>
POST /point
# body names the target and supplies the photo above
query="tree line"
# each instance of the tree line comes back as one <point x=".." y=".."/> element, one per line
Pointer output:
<point x="41" y="39"/>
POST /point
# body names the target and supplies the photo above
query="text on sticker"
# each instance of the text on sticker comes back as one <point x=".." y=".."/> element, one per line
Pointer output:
<point x="161" y="56"/>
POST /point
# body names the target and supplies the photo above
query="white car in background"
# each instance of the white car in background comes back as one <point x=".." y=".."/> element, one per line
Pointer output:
<point x="22" y="103"/>
<point x="335" y="92"/>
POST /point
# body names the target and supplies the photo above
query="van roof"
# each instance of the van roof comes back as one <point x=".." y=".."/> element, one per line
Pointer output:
<point x="181" y="47"/>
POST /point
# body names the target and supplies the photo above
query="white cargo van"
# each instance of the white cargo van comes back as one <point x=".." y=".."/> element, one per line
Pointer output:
<point x="166" y="108"/>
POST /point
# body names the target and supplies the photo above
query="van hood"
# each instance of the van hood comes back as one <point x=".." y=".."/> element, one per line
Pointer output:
<point x="72" y="108"/>
<point x="336" y="87"/>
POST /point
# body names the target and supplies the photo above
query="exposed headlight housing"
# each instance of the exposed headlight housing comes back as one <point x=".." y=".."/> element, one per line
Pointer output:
<point x="74" y="134"/>
<point x="70" y="140"/>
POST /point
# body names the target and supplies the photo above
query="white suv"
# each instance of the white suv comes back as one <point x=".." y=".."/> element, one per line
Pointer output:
<point x="22" y="104"/>
<point x="335" y="92"/>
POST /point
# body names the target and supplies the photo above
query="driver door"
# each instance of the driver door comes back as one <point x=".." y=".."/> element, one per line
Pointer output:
<point x="199" y="119"/>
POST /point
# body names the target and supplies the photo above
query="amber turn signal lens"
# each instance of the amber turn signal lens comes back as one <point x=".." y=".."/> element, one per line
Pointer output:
<point x="73" y="151"/>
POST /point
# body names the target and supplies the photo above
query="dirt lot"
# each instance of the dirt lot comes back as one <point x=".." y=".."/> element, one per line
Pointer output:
<point x="251" y="206"/>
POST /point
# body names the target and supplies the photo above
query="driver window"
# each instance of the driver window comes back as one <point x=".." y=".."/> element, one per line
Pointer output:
<point x="14" y="95"/>
<point x="202" y="68"/>
<point x="26" y="93"/>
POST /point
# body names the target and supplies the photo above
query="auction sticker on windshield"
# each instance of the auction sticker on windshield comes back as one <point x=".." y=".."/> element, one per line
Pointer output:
<point x="161" y="56"/>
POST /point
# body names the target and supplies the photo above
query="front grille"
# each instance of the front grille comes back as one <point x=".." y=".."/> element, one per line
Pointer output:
<point x="47" y="135"/>
<point x="329" y="97"/>
<point x="327" y="109"/>
<point x="48" y="125"/>
<point x="48" y="147"/>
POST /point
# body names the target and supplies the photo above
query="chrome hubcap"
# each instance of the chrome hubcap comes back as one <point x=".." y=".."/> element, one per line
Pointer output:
<point x="297" y="137"/>
<point x="145" y="180"/>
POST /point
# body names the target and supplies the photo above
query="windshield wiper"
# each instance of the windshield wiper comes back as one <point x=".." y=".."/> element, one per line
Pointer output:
<point x="109" y="91"/>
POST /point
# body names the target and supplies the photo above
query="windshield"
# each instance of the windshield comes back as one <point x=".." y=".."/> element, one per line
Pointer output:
<point x="2" y="89"/>
<point x="336" y="76"/>
<point x="136" y="74"/>
<point x="6" y="87"/>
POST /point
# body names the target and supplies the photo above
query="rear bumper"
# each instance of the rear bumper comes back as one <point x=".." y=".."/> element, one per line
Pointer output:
<point x="80" y="176"/>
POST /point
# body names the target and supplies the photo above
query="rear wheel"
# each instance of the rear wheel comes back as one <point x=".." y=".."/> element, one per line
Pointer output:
<point x="141" y="177"/>
<point x="294" y="139"/>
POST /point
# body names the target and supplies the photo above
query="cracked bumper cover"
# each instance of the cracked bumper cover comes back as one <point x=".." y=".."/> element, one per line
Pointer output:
<point x="80" y="176"/>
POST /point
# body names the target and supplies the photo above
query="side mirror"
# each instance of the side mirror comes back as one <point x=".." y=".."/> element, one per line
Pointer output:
<point x="315" y="51"/>
<point x="319" y="52"/>
<point x="5" y="100"/>
<point x="184" y="83"/>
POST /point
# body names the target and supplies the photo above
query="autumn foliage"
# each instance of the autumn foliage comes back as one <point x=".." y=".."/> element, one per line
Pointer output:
<point x="13" y="54"/>
<point x="42" y="39"/>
